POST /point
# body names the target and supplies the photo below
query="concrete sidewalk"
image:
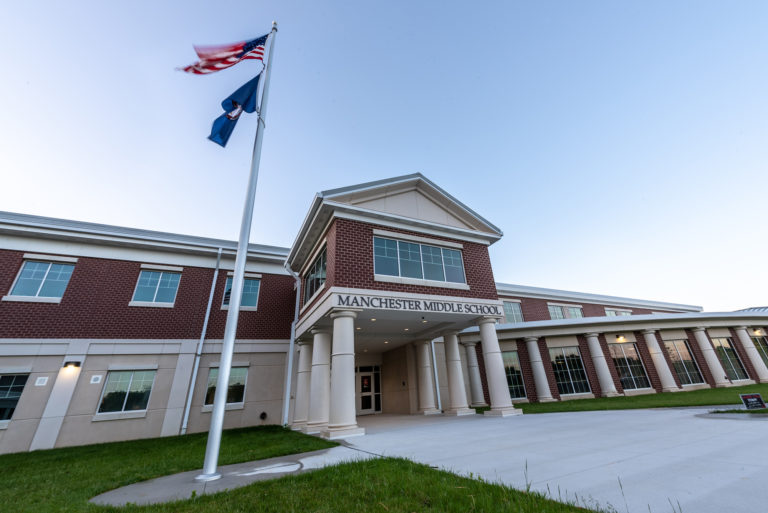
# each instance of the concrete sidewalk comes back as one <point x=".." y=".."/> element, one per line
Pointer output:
<point x="183" y="486"/>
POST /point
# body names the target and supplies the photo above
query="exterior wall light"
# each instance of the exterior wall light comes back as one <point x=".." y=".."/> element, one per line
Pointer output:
<point x="71" y="364"/>
<point x="621" y="338"/>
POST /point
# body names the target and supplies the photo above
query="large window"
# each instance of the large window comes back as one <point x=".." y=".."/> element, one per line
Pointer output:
<point x="157" y="287"/>
<point x="616" y="312"/>
<point x="564" y="312"/>
<point x="420" y="261"/>
<point x="729" y="358"/>
<point x="569" y="370"/>
<point x="315" y="277"/>
<point x="761" y="343"/>
<point x="514" y="374"/>
<point x="250" y="295"/>
<point x="42" y="279"/>
<point x="513" y="312"/>
<point x="11" y="387"/>
<point x="236" y="388"/>
<point x="127" y="391"/>
<point x="629" y="366"/>
<point x="683" y="362"/>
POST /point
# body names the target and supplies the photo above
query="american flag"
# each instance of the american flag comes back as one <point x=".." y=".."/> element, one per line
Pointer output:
<point x="215" y="58"/>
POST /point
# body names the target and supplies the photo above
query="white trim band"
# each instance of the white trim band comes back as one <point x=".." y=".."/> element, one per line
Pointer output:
<point x="414" y="238"/>
<point x="49" y="258"/>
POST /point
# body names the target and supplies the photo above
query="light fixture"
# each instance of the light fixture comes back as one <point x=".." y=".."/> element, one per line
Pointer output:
<point x="423" y="320"/>
<point x="405" y="329"/>
<point x="358" y="328"/>
<point x="386" y="341"/>
<point x="365" y="350"/>
<point x="71" y="364"/>
<point x="758" y="332"/>
<point x="373" y="319"/>
<point x="621" y="338"/>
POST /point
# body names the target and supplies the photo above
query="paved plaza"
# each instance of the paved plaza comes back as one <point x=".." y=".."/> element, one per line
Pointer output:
<point x="663" y="457"/>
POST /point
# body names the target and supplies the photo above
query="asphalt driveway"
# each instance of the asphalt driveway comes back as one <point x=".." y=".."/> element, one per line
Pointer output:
<point x="659" y="460"/>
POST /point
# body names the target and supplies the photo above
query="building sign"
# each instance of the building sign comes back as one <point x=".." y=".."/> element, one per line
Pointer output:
<point x="417" y="305"/>
<point x="752" y="401"/>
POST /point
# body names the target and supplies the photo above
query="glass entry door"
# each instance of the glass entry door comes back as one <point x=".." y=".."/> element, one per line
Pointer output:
<point x="365" y="393"/>
<point x="368" y="389"/>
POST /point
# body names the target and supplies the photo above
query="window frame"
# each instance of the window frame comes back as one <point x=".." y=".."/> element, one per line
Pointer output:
<point x="519" y="307"/>
<point x="228" y="406"/>
<point x="40" y="259"/>
<point x="520" y="371"/>
<point x="5" y="422"/>
<point x="632" y="376"/>
<point x="730" y="365"/>
<point x="617" y="312"/>
<point x="568" y="368"/>
<point x="761" y="343"/>
<point x="322" y="251"/>
<point x="123" y="412"/>
<point x="564" y="309"/>
<point x="156" y="304"/>
<point x="687" y="344"/>
<point x="421" y="242"/>
<point x="243" y="308"/>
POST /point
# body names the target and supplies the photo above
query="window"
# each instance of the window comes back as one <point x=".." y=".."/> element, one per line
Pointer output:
<point x="513" y="312"/>
<point x="126" y="391"/>
<point x="419" y="261"/>
<point x="42" y="279"/>
<point x="683" y="362"/>
<point x="729" y="358"/>
<point x="11" y="386"/>
<point x="761" y="343"/>
<point x="157" y="287"/>
<point x="564" y="312"/>
<point x="315" y="277"/>
<point x="514" y="375"/>
<point x="629" y="366"/>
<point x="569" y="370"/>
<point x="236" y="388"/>
<point x="615" y="312"/>
<point x="250" y="295"/>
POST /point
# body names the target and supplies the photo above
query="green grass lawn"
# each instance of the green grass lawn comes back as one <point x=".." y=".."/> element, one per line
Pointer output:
<point x="63" y="480"/>
<point x="707" y="397"/>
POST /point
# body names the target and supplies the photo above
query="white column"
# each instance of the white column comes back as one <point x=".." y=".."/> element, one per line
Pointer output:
<point x="713" y="362"/>
<point x="752" y="354"/>
<point x="320" y="382"/>
<point x="342" y="418"/>
<point x="501" y="402"/>
<point x="303" y="377"/>
<point x="426" y="385"/>
<point x="543" y="392"/>
<point x="660" y="363"/>
<point x="456" y="390"/>
<point x="475" y="382"/>
<point x="607" y="385"/>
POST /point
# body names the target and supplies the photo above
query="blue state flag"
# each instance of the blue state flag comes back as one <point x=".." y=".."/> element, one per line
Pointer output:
<point x="242" y="100"/>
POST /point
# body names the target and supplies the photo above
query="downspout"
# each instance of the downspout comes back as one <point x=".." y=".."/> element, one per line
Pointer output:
<point x="199" y="351"/>
<point x="289" y="370"/>
<point x="434" y="370"/>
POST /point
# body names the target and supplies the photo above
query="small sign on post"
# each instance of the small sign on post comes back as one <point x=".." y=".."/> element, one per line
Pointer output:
<point x="753" y="401"/>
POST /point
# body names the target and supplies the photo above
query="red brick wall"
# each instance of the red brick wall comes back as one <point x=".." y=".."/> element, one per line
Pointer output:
<point x="645" y="356"/>
<point x="536" y="309"/>
<point x="95" y="305"/>
<point x="354" y="263"/>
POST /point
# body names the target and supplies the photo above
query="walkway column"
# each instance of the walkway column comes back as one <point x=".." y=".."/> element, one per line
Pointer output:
<point x="543" y="393"/>
<point x="303" y="376"/>
<point x="660" y="363"/>
<point x="426" y="385"/>
<point x="607" y="385"/>
<point x="320" y="382"/>
<point x="475" y="382"/>
<point x="713" y="362"/>
<point x="501" y="403"/>
<point x="342" y="418"/>
<point x="456" y="390"/>
<point x="752" y="354"/>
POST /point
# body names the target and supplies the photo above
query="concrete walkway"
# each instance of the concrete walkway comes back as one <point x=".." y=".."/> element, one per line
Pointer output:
<point x="663" y="460"/>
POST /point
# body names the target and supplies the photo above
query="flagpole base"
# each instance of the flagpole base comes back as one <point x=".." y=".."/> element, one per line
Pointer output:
<point x="204" y="478"/>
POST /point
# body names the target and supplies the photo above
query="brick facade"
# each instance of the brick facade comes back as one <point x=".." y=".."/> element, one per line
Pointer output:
<point x="95" y="305"/>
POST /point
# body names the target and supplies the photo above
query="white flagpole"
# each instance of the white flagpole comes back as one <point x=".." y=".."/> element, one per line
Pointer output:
<point x="228" y="345"/>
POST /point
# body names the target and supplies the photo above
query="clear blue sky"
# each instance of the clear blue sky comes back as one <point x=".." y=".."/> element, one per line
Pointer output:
<point x="621" y="146"/>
